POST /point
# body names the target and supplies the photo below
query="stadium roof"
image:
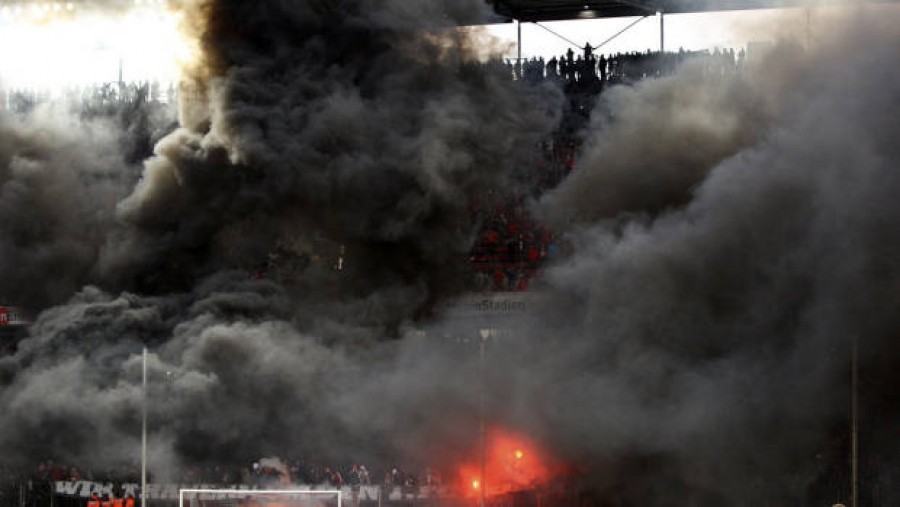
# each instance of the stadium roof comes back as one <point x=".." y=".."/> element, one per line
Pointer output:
<point x="549" y="10"/>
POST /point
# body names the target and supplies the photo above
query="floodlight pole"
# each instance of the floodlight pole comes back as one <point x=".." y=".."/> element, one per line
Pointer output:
<point x="485" y="333"/>
<point x="144" y="435"/>
<point x="854" y="422"/>
<point x="662" y="32"/>
<point x="519" y="42"/>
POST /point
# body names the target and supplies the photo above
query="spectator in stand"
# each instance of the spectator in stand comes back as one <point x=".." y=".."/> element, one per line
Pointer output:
<point x="364" y="475"/>
<point x="42" y="473"/>
<point x="246" y="476"/>
<point x="294" y="473"/>
<point x="270" y="477"/>
<point x="580" y="74"/>
<point x="392" y="478"/>
<point x="337" y="480"/>
<point x="602" y="68"/>
<point x="410" y="485"/>
<point x="432" y="477"/>
<point x="354" y="481"/>
<point x="387" y="484"/>
<point x="56" y="472"/>
<point x="255" y="475"/>
<point x="552" y="69"/>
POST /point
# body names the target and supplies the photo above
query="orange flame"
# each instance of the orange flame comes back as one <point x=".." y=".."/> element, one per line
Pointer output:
<point x="512" y="463"/>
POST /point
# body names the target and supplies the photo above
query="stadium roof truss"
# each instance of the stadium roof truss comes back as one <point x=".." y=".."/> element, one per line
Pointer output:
<point x="550" y="10"/>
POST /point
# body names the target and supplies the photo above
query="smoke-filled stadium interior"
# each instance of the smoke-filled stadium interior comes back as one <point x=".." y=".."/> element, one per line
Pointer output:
<point x="362" y="246"/>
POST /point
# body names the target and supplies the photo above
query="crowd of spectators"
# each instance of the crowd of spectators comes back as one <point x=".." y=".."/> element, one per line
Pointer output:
<point x="36" y="489"/>
<point x="262" y="473"/>
<point x="511" y="246"/>
<point x="587" y="67"/>
<point x="87" y="99"/>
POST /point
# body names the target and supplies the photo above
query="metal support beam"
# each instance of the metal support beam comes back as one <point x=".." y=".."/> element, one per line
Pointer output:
<point x="519" y="43"/>
<point x="854" y="422"/>
<point x="144" y="433"/>
<point x="650" y="7"/>
<point x="482" y="486"/>
<point x="620" y="32"/>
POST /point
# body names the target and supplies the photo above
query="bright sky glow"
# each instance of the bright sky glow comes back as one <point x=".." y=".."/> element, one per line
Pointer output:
<point x="52" y="46"/>
<point x="733" y="29"/>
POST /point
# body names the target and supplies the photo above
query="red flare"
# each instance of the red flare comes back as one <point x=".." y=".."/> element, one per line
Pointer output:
<point x="513" y="462"/>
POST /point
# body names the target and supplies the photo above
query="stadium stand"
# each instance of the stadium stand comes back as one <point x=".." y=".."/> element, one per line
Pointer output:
<point x="506" y="255"/>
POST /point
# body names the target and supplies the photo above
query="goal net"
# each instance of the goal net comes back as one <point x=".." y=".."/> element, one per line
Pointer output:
<point x="258" y="498"/>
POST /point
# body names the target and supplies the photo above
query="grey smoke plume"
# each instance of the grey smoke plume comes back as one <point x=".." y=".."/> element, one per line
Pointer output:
<point x="651" y="144"/>
<point x="60" y="181"/>
<point x="730" y="239"/>
<point x="351" y="128"/>
<point x="354" y="120"/>
<point x="691" y="347"/>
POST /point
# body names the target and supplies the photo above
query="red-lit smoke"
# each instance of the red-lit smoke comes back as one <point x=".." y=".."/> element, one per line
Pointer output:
<point x="513" y="462"/>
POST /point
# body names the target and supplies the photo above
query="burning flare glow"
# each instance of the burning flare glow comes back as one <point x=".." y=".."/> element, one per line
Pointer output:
<point x="512" y="463"/>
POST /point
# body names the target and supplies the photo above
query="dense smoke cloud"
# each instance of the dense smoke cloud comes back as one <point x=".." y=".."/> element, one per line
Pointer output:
<point x="712" y="322"/>
<point x="346" y="134"/>
<point x="726" y="238"/>
<point x="60" y="183"/>
<point x="654" y="142"/>
<point x="354" y="120"/>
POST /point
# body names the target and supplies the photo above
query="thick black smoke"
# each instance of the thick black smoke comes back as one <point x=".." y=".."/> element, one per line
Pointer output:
<point x="731" y="237"/>
<point x="60" y="181"/>
<point x="354" y="120"/>
<point x="348" y="139"/>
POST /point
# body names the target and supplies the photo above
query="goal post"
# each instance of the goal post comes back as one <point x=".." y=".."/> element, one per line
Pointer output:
<point x="259" y="498"/>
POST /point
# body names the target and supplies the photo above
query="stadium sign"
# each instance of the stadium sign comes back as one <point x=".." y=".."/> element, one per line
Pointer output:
<point x="84" y="489"/>
<point x="494" y="304"/>
<point x="12" y="316"/>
